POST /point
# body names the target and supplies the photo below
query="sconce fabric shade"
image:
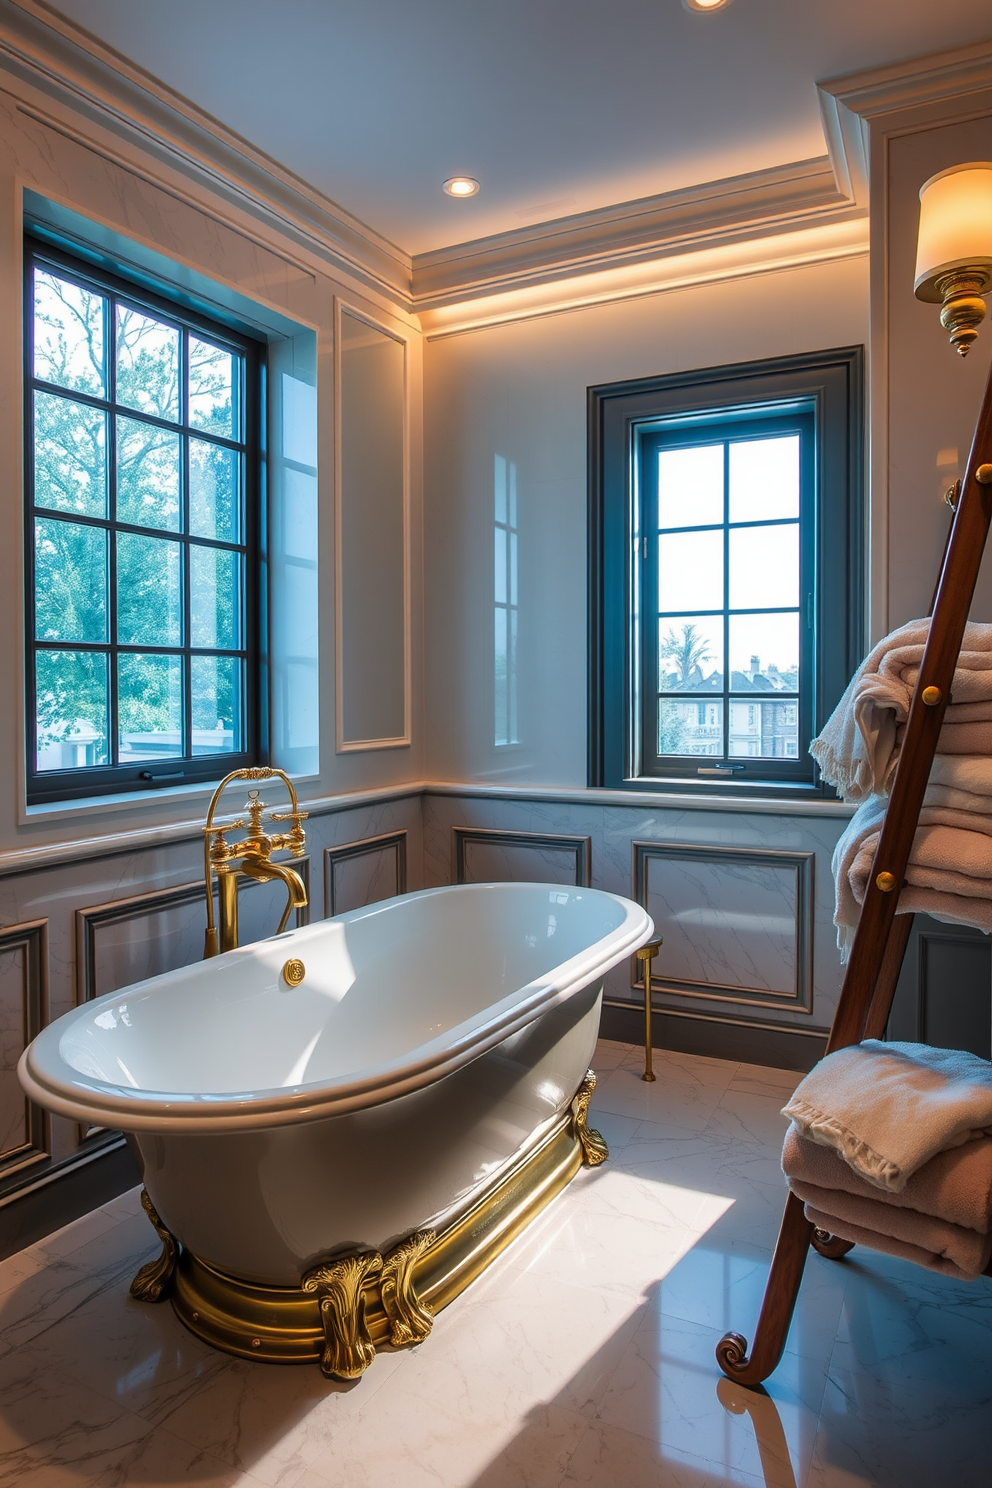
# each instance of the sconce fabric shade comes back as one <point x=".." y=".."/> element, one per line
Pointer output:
<point x="955" y="226"/>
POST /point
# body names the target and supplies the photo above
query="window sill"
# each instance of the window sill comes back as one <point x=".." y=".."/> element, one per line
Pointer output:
<point x="54" y="811"/>
<point x="653" y="797"/>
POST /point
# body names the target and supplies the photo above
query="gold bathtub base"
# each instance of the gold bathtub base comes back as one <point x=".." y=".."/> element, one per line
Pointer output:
<point x="350" y="1306"/>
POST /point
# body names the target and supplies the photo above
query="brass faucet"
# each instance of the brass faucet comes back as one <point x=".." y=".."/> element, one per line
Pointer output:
<point x="249" y="857"/>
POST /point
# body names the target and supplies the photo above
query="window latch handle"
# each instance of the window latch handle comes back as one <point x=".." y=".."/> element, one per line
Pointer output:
<point x="719" y="769"/>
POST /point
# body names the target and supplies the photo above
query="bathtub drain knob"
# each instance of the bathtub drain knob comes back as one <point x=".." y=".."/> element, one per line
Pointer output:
<point x="293" y="972"/>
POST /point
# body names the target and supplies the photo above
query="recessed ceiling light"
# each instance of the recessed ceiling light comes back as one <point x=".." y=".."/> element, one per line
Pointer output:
<point x="706" y="4"/>
<point x="461" y="186"/>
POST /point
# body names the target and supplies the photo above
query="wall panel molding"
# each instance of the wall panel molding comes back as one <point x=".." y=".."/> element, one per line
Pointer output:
<point x="579" y="848"/>
<point x="349" y="852"/>
<point x="343" y="744"/>
<point x="29" y="943"/>
<point x="796" y="869"/>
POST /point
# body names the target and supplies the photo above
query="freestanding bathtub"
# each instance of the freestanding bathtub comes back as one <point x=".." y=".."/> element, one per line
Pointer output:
<point x="340" y="1126"/>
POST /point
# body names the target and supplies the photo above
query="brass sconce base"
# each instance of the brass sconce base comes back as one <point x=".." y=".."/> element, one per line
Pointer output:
<point x="350" y="1306"/>
<point x="959" y="292"/>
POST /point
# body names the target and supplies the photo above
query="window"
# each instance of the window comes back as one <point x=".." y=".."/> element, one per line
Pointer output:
<point x="142" y="537"/>
<point x="725" y="605"/>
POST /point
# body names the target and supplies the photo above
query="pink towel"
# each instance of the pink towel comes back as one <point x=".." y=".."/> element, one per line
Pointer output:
<point x="961" y="1254"/>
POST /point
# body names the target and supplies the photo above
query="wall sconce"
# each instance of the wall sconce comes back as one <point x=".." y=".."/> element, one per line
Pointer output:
<point x="954" y="256"/>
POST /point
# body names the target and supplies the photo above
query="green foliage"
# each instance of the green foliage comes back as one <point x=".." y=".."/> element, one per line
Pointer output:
<point x="72" y="558"/>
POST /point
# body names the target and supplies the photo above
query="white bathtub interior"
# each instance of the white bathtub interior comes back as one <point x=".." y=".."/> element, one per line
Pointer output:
<point x="380" y="983"/>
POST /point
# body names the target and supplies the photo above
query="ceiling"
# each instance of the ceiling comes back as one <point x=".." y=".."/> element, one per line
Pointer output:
<point x="556" y="106"/>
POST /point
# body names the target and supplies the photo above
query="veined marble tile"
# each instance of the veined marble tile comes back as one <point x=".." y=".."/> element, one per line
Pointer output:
<point x="55" y="1432"/>
<point x="65" y="1243"/>
<point x="666" y="1389"/>
<point x="721" y="1287"/>
<point x="750" y="1118"/>
<point x="760" y="1079"/>
<point x="125" y="1204"/>
<point x="607" y="1457"/>
<point x="609" y="1054"/>
<point x="615" y="1130"/>
<point x="677" y="1097"/>
<point x="270" y="1420"/>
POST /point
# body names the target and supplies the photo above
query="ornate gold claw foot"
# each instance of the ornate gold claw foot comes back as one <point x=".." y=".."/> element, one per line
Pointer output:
<point x="153" y="1281"/>
<point x="410" y="1320"/>
<point x="348" y="1346"/>
<point x="594" y="1148"/>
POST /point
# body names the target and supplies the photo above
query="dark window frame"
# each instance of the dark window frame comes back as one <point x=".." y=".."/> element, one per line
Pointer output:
<point x="829" y="383"/>
<point x="50" y="786"/>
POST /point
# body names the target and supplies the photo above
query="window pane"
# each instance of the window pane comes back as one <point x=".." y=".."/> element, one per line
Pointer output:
<point x="690" y="654"/>
<point x="690" y="728"/>
<point x="764" y="653"/>
<point x="68" y="334"/>
<point x="70" y="581"/>
<point x="214" y="491"/>
<point x="690" y="571"/>
<point x="150" y="707"/>
<point x="690" y="486"/>
<point x="765" y="730"/>
<point x="149" y="591"/>
<point x="217" y="690"/>
<point x="70" y="456"/>
<point x="764" y="567"/>
<point x="213" y="389"/>
<point x="71" y="699"/>
<point x="147" y="475"/>
<point x="764" y="479"/>
<point x="214" y="597"/>
<point x="147" y="364"/>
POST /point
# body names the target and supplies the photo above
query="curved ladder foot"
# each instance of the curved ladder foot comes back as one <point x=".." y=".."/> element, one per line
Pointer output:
<point x="781" y="1291"/>
<point x="831" y="1246"/>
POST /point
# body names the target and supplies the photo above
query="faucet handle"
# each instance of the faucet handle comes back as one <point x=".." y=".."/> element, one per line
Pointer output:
<point x="296" y="816"/>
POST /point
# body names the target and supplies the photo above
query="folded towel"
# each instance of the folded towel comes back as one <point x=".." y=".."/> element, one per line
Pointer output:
<point x="955" y="1186"/>
<point x="888" y="1108"/>
<point x="971" y="773"/>
<point x="958" y="738"/>
<point x="857" y="748"/>
<point x="930" y="1242"/>
<point x="949" y="874"/>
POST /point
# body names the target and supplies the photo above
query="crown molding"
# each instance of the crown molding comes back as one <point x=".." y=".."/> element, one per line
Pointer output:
<point x="826" y="243"/>
<point x="849" y="104"/>
<point x="41" y="48"/>
<point x="782" y="198"/>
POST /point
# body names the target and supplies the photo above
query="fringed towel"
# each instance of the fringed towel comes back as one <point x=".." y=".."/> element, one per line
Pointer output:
<point x="887" y="1109"/>
<point x="857" y="751"/>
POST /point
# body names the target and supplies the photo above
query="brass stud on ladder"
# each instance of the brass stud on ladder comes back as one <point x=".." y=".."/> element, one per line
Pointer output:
<point x="646" y="955"/>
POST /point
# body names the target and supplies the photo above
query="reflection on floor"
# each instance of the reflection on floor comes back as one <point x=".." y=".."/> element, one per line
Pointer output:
<point x="584" y="1356"/>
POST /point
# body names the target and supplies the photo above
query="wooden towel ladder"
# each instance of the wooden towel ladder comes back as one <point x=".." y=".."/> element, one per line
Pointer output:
<point x="880" y="939"/>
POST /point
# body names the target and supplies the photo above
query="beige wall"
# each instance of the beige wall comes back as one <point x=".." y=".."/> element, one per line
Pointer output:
<point x="519" y="391"/>
<point x="925" y="399"/>
<point x="143" y="199"/>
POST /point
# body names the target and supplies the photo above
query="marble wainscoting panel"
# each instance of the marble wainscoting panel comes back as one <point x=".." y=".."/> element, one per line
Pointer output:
<point x="728" y="919"/>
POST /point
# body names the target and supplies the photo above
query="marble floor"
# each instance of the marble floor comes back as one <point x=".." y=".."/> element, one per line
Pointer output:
<point x="584" y="1356"/>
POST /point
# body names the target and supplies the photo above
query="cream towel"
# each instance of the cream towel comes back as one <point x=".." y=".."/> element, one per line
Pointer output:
<point x="949" y="875"/>
<point x="857" y="750"/>
<point x="888" y="1108"/>
<point x="955" y="1186"/>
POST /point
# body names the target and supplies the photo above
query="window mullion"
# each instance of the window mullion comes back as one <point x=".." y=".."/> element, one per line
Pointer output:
<point x="110" y="374"/>
<point x="727" y="678"/>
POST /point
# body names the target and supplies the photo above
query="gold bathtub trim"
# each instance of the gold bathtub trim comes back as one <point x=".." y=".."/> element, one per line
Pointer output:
<point x="395" y="1301"/>
<point x="154" y="1280"/>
